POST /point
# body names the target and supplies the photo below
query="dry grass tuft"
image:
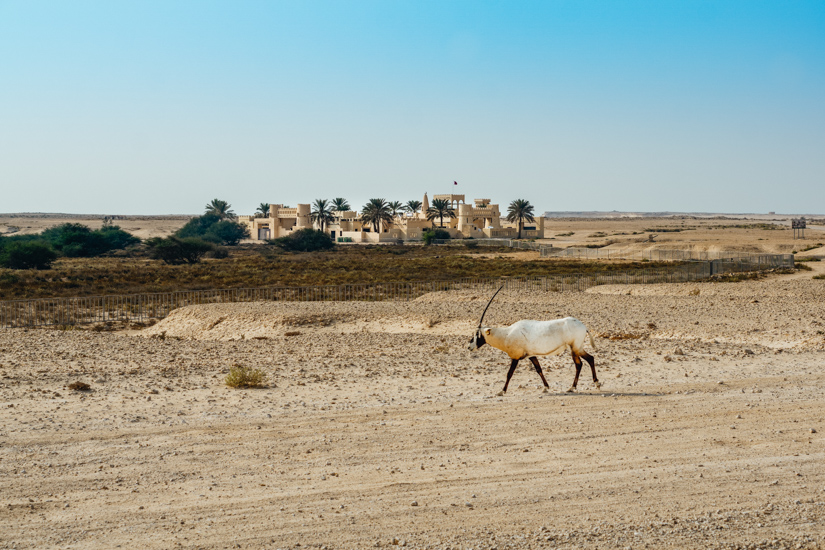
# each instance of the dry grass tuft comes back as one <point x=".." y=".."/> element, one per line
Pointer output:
<point x="80" y="386"/>
<point x="245" y="377"/>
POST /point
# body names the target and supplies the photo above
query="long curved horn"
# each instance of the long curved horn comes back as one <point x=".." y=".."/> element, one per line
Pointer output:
<point x="488" y="305"/>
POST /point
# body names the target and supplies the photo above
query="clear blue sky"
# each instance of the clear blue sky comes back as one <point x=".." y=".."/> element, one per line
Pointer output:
<point x="144" y="107"/>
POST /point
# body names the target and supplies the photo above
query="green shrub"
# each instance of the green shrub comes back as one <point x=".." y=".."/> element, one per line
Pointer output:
<point x="79" y="241"/>
<point x="227" y="232"/>
<point x="116" y="238"/>
<point x="173" y="250"/>
<point x="245" y="377"/>
<point x="197" y="226"/>
<point x="210" y="227"/>
<point x="435" y="233"/>
<point x="304" y="240"/>
<point x="27" y="255"/>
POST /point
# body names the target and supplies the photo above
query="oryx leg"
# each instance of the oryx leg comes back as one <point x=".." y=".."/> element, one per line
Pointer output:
<point x="589" y="359"/>
<point x="578" y="361"/>
<point x="513" y="364"/>
<point x="535" y="362"/>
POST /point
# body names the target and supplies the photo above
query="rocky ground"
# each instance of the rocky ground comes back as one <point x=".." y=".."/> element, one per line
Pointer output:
<point x="379" y="427"/>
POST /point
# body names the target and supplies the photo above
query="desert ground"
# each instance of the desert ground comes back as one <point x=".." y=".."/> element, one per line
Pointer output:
<point x="380" y="428"/>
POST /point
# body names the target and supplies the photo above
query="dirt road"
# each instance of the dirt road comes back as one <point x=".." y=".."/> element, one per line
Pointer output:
<point x="381" y="427"/>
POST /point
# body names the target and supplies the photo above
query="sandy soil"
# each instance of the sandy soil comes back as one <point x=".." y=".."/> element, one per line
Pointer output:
<point x="379" y="427"/>
<point x="143" y="227"/>
<point x="697" y="234"/>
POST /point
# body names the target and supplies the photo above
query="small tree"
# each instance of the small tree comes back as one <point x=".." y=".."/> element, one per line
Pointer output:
<point x="518" y="211"/>
<point x="321" y="213"/>
<point x="27" y="255"/>
<point x="173" y="250"/>
<point x="412" y="206"/>
<point x="198" y="226"/>
<point x="220" y="208"/>
<point x="210" y="227"/>
<point x="227" y="232"/>
<point x="116" y="238"/>
<point x="440" y="209"/>
<point x="263" y="210"/>
<point x="428" y="235"/>
<point x="340" y="204"/>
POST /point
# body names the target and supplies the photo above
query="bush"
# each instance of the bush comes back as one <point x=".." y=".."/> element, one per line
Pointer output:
<point x="210" y="227"/>
<point x="197" y="226"/>
<point x="116" y="238"/>
<point x="219" y="253"/>
<point x="435" y="233"/>
<point x="304" y="240"/>
<point x="79" y="241"/>
<point x="227" y="232"/>
<point x="27" y="255"/>
<point x="173" y="250"/>
<point x="245" y="377"/>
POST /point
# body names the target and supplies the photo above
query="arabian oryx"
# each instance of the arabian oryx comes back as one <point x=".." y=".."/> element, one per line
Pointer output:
<point x="532" y="338"/>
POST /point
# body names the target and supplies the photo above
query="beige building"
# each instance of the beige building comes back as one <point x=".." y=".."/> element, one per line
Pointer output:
<point x="480" y="220"/>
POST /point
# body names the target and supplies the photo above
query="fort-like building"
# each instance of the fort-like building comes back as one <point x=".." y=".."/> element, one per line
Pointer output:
<point x="479" y="220"/>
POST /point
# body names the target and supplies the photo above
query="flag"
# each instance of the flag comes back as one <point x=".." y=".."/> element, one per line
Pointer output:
<point x="455" y="183"/>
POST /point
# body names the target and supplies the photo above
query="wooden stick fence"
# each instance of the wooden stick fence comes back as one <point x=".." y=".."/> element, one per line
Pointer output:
<point x="143" y="307"/>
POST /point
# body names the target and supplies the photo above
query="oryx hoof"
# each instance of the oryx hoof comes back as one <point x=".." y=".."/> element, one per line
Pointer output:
<point x="572" y="389"/>
<point x="545" y="390"/>
<point x="501" y="393"/>
<point x="598" y="385"/>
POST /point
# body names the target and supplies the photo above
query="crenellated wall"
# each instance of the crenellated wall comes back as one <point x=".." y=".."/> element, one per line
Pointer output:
<point x="477" y="220"/>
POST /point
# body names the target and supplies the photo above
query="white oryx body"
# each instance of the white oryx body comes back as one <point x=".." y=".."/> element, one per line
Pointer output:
<point x="531" y="338"/>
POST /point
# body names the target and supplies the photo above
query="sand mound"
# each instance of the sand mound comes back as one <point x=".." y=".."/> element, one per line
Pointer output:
<point x="773" y="313"/>
<point x="268" y="320"/>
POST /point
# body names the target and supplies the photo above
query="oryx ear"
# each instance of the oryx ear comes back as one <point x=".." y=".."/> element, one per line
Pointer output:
<point x="487" y="331"/>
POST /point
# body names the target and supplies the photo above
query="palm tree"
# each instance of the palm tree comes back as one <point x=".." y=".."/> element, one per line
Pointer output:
<point x="376" y="212"/>
<point x="395" y="208"/>
<point x="220" y="208"/>
<point x="518" y="211"/>
<point x="321" y="213"/>
<point x="263" y="210"/>
<point x="412" y="206"/>
<point x="341" y="205"/>
<point x="440" y="209"/>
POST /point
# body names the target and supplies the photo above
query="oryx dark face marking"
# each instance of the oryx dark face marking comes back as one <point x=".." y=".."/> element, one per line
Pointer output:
<point x="478" y="338"/>
<point x="476" y="341"/>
